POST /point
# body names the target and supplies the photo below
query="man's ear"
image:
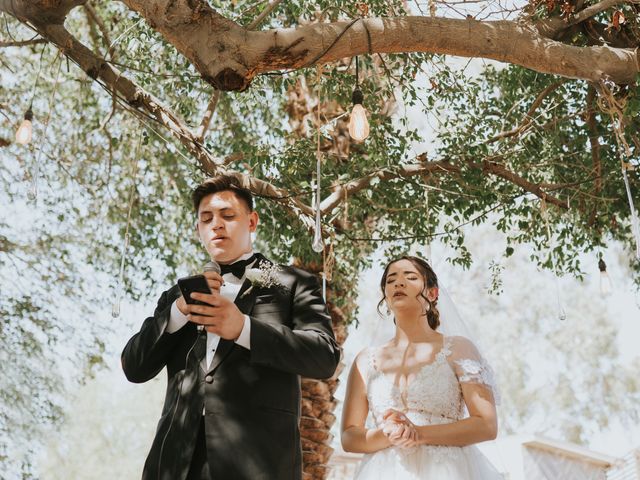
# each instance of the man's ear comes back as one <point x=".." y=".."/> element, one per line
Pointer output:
<point x="196" y="231"/>
<point x="253" y="221"/>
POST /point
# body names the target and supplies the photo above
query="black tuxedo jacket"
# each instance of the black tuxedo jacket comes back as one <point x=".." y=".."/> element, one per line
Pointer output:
<point x="251" y="398"/>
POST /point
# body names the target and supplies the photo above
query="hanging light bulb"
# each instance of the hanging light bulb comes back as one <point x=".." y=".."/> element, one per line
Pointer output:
<point x="25" y="131"/>
<point x="605" y="280"/>
<point x="358" y="123"/>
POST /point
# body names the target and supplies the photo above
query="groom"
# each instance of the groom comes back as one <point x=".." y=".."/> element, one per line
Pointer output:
<point x="234" y="362"/>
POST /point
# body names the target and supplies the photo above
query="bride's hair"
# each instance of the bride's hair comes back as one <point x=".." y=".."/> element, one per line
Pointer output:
<point x="430" y="280"/>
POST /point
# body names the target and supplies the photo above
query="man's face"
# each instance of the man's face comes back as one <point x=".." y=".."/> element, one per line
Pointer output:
<point x="225" y="225"/>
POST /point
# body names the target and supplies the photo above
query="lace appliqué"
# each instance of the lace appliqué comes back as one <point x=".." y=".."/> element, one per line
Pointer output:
<point x="474" y="371"/>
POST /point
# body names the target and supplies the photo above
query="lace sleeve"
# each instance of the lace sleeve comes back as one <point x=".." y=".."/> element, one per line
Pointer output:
<point x="470" y="367"/>
<point x="366" y="363"/>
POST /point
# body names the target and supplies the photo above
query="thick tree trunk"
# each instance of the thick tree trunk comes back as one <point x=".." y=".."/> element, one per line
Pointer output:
<point x="318" y="403"/>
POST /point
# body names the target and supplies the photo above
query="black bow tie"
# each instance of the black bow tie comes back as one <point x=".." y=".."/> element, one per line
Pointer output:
<point x="237" y="268"/>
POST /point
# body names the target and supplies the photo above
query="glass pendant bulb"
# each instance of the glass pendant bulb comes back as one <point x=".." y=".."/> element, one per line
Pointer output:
<point x="115" y="309"/>
<point x="32" y="193"/>
<point x="318" y="244"/>
<point x="25" y="131"/>
<point x="562" y="314"/>
<point x="605" y="280"/>
<point x="358" y="123"/>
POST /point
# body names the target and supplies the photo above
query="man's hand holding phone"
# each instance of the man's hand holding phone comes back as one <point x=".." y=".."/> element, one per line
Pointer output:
<point x="216" y="313"/>
<point x="197" y="284"/>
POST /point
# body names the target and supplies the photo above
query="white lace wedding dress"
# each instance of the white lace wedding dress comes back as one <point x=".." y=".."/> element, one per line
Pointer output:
<point x="434" y="396"/>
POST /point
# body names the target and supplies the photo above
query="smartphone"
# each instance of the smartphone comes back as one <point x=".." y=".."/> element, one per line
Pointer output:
<point x="195" y="283"/>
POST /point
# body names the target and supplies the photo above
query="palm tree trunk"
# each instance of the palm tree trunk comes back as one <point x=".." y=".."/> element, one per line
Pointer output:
<point x="318" y="404"/>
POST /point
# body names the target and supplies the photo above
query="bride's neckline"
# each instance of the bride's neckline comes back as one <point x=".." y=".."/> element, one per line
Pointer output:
<point x="395" y="377"/>
<point x="437" y="358"/>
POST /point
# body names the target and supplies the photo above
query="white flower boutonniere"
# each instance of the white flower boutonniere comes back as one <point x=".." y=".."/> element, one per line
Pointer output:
<point x="264" y="276"/>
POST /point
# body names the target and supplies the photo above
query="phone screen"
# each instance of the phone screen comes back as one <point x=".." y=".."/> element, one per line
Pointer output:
<point x="195" y="283"/>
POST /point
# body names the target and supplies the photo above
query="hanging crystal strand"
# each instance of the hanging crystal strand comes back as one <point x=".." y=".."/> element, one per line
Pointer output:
<point x="635" y="224"/>
<point x="562" y="314"/>
<point x="324" y="275"/>
<point x="328" y="262"/>
<point x="318" y="245"/>
<point x="428" y="214"/>
<point x="32" y="193"/>
<point x="345" y="211"/>
<point x="115" y="306"/>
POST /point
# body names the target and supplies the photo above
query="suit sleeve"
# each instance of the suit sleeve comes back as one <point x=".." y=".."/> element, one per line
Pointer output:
<point x="309" y="348"/>
<point x="148" y="351"/>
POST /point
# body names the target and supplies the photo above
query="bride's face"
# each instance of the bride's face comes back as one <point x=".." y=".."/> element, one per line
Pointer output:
<point x="403" y="287"/>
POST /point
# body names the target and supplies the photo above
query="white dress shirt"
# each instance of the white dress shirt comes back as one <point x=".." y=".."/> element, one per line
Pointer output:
<point x="229" y="289"/>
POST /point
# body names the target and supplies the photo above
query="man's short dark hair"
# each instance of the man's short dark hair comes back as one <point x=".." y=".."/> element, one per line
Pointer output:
<point x="221" y="183"/>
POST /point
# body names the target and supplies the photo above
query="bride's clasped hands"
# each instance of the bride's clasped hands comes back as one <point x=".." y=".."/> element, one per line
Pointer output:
<point x="399" y="430"/>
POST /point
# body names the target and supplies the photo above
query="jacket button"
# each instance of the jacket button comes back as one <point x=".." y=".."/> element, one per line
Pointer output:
<point x="208" y="379"/>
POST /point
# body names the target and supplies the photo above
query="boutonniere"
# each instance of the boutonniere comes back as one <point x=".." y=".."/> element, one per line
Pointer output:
<point x="265" y="275"/>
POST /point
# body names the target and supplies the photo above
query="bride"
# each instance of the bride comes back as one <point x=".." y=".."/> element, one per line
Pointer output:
<point x="430" y="396"/>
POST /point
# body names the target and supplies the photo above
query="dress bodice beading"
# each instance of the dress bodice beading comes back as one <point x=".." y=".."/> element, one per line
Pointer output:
<point x="432" y="397"/>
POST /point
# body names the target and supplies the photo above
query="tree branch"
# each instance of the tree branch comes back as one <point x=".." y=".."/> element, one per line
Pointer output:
<point x="134" y="95"/>
<point x="208" y="115"/>
<point x="40" y="11"/>
<point x="351" y="188"/>
<point x="528" y="118"/>
<point x="425" y="167"/>
<point x="593" y="10"/>
<point x="265" y="189"/>
<point x="229" y="56"/>
<point x="552" y="27"/>
<point x="22" y="43"/>
<point x="93" y="16"/>
<point x="260" y="18"/>
<point x="503" y="172"/>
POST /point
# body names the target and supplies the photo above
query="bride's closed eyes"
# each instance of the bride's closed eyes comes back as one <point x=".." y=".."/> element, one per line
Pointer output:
<point x="409" y="276"/>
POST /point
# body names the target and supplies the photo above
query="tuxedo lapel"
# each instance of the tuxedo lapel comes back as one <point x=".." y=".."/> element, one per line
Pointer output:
<point x="224" y="349"/>
<point x="246" y="297"/>
<point x="245" y="300"/>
